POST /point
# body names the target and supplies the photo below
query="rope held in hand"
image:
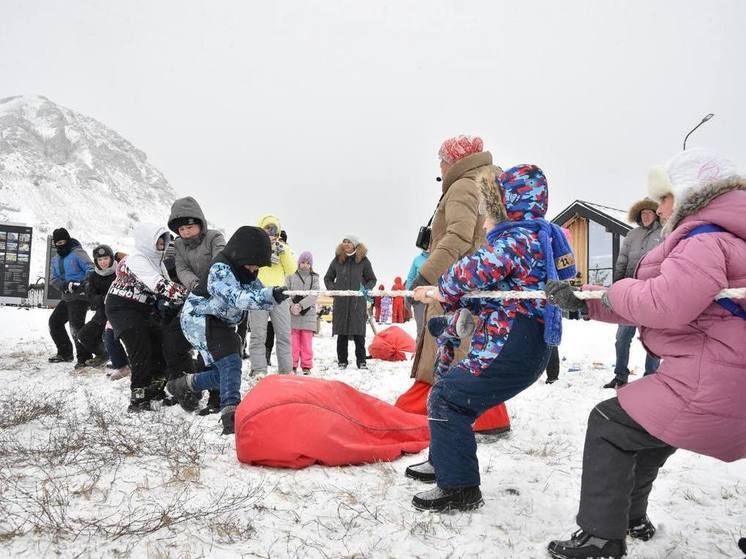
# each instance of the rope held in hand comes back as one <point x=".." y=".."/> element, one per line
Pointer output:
<point x="732" y="293"/>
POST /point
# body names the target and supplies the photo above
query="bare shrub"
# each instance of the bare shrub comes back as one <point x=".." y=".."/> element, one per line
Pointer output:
<point x="18" y="408"/>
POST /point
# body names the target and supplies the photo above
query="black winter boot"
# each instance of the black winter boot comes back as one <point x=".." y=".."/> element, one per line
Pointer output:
<point x="228" y="419"/>
<point x="61" y="358"/>
<point x="179" y="389"/>
<point x="614" y="383"/>
<point x="213" y="404"/>
<point x="423" y="471"/>
<point x="97" y="361"/>
<point x="139" y="401"/>
<point x="441" y="500"/>
<point x="641" y="529"/>
<point x="585" y="546"/>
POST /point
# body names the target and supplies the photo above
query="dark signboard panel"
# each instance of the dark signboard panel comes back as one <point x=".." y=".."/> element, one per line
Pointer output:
<point x="15" y="262"/>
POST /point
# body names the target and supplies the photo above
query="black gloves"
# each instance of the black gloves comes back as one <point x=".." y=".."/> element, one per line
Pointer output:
<point x="279" y="294"/>
<point x="437" y="325"/>
<point x="168" y="308"/>
<point x="561" y="295"/>
<point x="73" y="286"/>
<point x="420" y="281"/>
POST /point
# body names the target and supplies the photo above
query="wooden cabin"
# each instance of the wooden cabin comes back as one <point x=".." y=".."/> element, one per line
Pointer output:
<point x="596" y="234"/>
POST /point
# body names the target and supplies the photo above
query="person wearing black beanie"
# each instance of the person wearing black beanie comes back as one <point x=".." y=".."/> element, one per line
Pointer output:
<point x="211" y="313"/>
<point x="68" y="269"/>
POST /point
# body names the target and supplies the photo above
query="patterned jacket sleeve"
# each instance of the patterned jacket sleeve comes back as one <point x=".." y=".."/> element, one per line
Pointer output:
<point x="222" y="284"/>
<point x="510" y="255"/>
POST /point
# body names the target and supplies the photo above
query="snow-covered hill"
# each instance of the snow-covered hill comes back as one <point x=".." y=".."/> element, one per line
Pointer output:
<point x="59" y="168"/>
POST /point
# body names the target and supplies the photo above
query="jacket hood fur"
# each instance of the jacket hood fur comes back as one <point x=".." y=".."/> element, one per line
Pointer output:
<point x="636" y="209"/>
<point x="360" y="253"/>
<point x="696" y="200"/>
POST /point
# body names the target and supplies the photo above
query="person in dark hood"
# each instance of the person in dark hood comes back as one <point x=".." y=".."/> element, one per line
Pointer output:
<point x="196" y="244"/>
<point x="69" y="268"/>
<point x="213" y="310"/>
<point x="194" y="249"/>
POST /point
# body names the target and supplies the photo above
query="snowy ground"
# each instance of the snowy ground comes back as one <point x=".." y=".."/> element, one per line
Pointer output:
<point x="81" y="477"/>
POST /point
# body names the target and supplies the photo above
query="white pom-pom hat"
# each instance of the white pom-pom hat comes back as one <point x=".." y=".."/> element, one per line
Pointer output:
<point x="687" y="171"/>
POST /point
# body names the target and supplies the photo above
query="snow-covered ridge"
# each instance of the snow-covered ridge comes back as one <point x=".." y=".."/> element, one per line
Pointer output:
<point x="60" y="168"/>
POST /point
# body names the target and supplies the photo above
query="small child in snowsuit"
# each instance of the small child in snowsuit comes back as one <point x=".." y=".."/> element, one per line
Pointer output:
<point x="213" y="310"/>
<point x="386" y="303"/>
<point x="511" y="342"/>
<point x="96" y="286"/>
<point x="303" y="321"/>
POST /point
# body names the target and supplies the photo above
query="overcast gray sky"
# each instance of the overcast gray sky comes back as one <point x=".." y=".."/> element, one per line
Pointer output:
<point x="330" y="114"/>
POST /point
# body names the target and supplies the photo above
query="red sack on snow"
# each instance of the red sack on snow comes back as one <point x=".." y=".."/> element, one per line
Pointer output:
<point x="391" y="343"/>
<point x="414" y="400"/>
<point x="293" y="422"/>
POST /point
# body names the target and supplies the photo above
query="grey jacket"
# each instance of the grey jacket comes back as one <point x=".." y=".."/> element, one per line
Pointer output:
<point x="303" y="281"/>
<point x="637" y="244"/>
<point x="193" y="256"/>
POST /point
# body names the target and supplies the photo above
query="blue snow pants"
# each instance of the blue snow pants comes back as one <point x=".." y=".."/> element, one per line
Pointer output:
<point x="458" y="397"/>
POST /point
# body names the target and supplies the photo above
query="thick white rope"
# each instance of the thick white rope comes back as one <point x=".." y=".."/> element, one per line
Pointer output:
<point x="732" y="293"/>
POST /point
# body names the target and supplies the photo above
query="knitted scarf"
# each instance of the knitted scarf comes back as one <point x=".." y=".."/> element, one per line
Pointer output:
<point x="559" y="262"/>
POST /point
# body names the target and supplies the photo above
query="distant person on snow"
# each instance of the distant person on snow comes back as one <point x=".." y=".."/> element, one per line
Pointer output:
<point x="213" y="310"/>
<point x="397" y="306"/>
<point x="350" y="269"/>
<point x="282" y="264"/>
<point x="696" y="400"/>
<point x="69" y="268"/>
<point x="140" y="291"/>
<point x="418" y="309"/>
<point x="303" y="320"/>
<point x="638" y="242"/>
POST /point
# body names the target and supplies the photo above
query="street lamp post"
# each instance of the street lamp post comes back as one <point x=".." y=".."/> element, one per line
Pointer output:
<point x="705" y="119"/>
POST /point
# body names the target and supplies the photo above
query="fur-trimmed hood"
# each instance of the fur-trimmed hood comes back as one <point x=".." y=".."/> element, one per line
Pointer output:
<point x="695" y="201"/>
<point x="636" y="209"/>
<point x="360" y="253"/>
<point x="491" y="200"/>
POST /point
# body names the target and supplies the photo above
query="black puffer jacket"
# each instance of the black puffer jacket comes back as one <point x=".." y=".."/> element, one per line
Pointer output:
<point x="350" y="272"/>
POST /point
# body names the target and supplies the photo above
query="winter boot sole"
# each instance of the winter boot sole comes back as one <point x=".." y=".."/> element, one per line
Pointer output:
<point x="450" y="507"/>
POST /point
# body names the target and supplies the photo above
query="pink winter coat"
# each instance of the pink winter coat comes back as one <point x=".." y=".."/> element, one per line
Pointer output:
<point x="697" y="400"/>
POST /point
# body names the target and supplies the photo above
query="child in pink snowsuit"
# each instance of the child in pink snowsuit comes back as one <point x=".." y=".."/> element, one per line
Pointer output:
<point x="303" y="313"/>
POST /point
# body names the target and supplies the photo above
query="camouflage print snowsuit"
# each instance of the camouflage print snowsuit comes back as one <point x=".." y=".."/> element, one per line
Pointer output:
<point x="512" y="260"/>
<point x="228" y="301"/>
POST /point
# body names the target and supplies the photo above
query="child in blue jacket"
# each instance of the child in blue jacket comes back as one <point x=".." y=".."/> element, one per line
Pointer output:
<point x="210" y="316"/>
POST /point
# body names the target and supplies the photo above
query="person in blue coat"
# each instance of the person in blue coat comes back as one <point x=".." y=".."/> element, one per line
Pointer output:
<point x="418" y="309"/>
<point x="69" y="268"/>
<point x="214" y="309"/>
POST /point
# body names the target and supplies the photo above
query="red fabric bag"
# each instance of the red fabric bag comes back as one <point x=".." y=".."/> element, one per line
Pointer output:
<point x="414" y="400"/>
<point x="391" y="343"/>
<point x="292" y="422"/>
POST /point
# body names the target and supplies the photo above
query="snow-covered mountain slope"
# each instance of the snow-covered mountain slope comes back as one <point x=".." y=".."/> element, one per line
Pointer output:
<point x="59" y="168"/>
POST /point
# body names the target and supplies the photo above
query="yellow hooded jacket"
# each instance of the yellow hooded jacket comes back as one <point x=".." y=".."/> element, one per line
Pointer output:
<point x="274" y="275"/>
